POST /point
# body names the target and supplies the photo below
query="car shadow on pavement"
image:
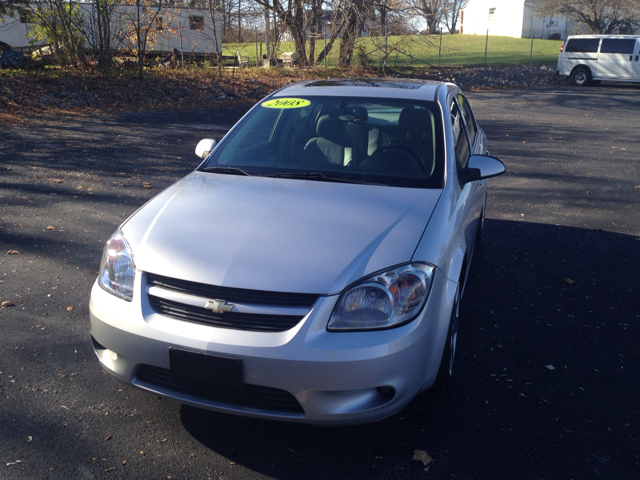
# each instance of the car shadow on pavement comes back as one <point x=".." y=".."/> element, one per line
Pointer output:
<point x="545" y="378"/>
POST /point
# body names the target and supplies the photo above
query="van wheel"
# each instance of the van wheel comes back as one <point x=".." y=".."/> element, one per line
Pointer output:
<point x="581" y="76"/>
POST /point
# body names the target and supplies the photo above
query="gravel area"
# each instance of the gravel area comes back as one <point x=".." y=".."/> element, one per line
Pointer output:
<point x="24" y="94"/>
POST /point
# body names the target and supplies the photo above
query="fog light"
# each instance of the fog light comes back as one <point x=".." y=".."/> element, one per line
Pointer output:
<point x="387" y="392"/>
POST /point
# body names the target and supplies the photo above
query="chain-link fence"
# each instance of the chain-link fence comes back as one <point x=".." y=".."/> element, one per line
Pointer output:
<point x="422" y="51"/>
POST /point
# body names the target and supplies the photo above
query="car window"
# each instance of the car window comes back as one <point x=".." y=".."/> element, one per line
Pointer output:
<point x="258" y="134"/>
<point x="468" y="116"/>
<point x="584" y="45"/>
<point x="390" y="141"/>
<point x="618" y="45"/>
<point x="460" y="140"/>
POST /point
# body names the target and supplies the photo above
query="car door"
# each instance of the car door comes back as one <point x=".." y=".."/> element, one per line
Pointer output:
<point x="470" y="201"/>
<point x="616" y="59"/>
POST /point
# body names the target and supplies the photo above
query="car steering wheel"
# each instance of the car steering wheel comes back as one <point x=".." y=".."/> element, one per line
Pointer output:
<point x="407" y="149"/>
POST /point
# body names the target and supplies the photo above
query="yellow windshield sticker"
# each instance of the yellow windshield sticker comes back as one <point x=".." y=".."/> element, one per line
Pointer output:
<point x="286" y="103"/>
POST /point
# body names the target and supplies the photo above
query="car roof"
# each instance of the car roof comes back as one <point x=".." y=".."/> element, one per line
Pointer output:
<point x="405" y="88"/>
<point x="604" y="36"/>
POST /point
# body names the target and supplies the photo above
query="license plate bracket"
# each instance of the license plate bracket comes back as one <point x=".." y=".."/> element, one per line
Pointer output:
<point x="194" y="370"/>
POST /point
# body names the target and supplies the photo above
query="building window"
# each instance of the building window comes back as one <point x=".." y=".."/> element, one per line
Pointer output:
<point x="159" y="24"/>
<point x="492" y="14"/>
<point x="196" y="22"/>
<point x="553" y="22"/>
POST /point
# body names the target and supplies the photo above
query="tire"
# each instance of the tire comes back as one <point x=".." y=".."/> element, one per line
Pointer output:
<point x="581" y="76"/>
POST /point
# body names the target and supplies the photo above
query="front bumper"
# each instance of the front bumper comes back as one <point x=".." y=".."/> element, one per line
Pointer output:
<point x="304" y="374"/>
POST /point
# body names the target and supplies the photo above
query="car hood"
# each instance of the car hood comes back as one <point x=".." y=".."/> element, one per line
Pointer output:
<point x="277" y="234"/>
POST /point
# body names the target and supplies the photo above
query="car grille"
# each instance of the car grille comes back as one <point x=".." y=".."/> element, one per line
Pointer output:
<point x="250" y="396"/>
<point x="233" y="295"/>
<point x="237" y="321"/>
<point x="254" y="322"/>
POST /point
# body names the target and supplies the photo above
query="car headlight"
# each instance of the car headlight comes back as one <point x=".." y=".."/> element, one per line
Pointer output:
<point x="117" y="269"/>
<point x="383" y="300"/>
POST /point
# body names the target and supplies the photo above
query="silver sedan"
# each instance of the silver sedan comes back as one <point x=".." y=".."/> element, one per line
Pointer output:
<point x="311" y="268"/>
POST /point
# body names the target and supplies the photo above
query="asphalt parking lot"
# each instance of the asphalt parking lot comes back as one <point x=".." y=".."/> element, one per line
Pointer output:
<point x="547" y="379"/>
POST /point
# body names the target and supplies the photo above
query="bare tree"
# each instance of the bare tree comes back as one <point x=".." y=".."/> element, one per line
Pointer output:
<point x="60" y="24"/>
<point x="452" y="16"/>
<point x="98" y="32"/>
<point x="292" y="15"/>
<point x="144" y="27"/>
<point x="433" y="11"/>
<point x="599" y="16"/>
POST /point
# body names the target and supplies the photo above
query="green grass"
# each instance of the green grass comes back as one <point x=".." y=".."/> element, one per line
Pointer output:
<point x="422" y="50"/>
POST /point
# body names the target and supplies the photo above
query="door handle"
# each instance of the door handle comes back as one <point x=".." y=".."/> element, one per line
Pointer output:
<point x="630" y="58"/>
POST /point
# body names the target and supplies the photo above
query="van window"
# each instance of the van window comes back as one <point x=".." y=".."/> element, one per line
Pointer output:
<point x="586" y="45"/>
<point x="618" y="45"/>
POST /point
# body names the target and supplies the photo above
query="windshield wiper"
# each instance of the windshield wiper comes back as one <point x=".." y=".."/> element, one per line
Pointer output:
<point x="319" y="176"/>
<point x="228" y="170"/>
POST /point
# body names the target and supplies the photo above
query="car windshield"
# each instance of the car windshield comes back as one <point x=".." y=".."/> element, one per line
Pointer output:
<point x="345" y="139"/>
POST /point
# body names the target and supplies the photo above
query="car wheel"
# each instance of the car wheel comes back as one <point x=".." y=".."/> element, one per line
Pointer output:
<point x="448" y="355"/>
<point x="581" y="76"/>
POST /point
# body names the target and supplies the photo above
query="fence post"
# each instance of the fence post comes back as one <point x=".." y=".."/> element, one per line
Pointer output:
<point x="486" y="44"/>
<point x="440" y="49"/>
<point x="531" y="52"/>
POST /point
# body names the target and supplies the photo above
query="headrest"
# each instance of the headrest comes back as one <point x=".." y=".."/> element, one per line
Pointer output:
<point x="415" y="119"/>
<point x="331" y="128"/>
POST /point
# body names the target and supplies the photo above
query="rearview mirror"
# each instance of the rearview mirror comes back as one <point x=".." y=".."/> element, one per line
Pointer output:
<point x="204" y="147"/>
<point x="480" y="167"/>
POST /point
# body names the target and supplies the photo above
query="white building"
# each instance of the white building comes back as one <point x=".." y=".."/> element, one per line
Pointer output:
<point x="186" y="29"/>
<point x="510" y="18"/>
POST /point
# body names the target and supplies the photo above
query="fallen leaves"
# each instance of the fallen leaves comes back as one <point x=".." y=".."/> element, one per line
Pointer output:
<point x="568" y="281"/>
<point x="7" y="303"/>
<point x="70" y="308"/>
<point x="51" y="227"/>
<point x="422" y="456"/>
<point x="146" y="185"/>
<point x="13" y="252"/>
<point x="14" y="463"/>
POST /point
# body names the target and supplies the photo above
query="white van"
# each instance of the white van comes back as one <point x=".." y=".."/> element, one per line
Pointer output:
<point x="592" y="58"/>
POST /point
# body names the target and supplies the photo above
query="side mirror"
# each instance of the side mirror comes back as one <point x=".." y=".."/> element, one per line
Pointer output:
<point x="204" y="147"/>
<point x="480" y="167"/>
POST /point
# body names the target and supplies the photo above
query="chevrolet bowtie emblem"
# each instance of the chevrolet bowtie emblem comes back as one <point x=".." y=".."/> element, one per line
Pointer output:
<point x="219" y="306"/>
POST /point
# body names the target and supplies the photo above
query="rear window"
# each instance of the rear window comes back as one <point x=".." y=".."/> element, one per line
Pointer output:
<point x="618" y="45"/>
<point x="584" y="45"/>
